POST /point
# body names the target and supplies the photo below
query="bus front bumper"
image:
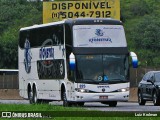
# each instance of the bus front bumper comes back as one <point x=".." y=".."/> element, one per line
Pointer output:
<point x="101" y="97"/>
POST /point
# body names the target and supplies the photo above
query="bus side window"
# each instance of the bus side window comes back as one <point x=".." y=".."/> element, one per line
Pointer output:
<point x="68" y="35"/>
<point x="22" y="38"/>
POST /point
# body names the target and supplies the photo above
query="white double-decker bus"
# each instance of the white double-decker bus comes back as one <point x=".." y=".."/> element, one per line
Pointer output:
<point x="76" y="61"/>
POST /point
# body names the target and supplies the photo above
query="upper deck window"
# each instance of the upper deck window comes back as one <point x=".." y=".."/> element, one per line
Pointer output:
<point x="37" y="36"/>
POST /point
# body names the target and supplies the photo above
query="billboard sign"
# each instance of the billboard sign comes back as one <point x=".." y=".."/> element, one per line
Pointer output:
<point x="56" y="11"/>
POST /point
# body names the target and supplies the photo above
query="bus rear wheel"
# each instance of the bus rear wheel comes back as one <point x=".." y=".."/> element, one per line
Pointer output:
<point x="30" y="96"/>
<point x="35" y="100"/>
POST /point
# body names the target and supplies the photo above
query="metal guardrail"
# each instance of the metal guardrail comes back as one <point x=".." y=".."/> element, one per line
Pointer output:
<point x="9" y="79"/>
<point x="9" y="82"/>
<point x="136" y="75"/>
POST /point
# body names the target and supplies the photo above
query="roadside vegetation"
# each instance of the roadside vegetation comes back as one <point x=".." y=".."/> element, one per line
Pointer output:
<point x="141" y="19"/>
<point x="142" y="24"/>
<point x="15" y="14"/>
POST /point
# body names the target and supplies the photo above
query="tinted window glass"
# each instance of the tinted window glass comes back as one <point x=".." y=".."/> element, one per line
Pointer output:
<point x="38" y="36"/>
<point x="146" y="76"/>
<point x="68" y="36"/>
<point x="51" y="69"/>
<point x="68" y="40"/>
<point x="22" y="37"/>
<point x="55" y="33"/>
<point x="157" y="77"/>
<point x="102" y="68"/>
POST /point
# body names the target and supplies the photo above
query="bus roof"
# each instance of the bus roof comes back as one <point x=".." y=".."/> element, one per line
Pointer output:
<point x="79" y="21"/>
<point x="108" y="21"/>
<point x="42" y="25"/>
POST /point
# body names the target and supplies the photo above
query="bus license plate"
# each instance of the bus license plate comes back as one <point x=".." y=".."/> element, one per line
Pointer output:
<point x="103" y="97"/>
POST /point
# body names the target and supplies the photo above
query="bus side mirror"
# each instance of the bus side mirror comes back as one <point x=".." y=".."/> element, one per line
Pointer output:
<point x="72" y="61"/>
<point x="134" y="59"/>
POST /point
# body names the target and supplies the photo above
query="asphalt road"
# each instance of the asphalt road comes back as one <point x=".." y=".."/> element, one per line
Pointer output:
<point x="121" y="106"/>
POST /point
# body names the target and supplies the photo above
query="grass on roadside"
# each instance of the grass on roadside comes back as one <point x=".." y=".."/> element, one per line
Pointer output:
<point x="37" y="107"/>
<point x="53" y="109"/>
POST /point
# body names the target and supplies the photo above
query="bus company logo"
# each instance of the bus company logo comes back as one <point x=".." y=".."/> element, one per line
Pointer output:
<point x="46" y="53"/>
<point x="103" y="89"/>
<point x="100" y="38"/>
<point x="27" y="56"/>
<point x="99" y="32"/>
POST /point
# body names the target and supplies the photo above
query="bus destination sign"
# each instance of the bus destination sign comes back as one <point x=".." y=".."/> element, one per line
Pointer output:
<point x="56" y="11"/>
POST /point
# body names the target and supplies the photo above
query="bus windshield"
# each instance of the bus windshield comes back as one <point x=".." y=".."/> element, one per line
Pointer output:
<point x="102" y="68"/>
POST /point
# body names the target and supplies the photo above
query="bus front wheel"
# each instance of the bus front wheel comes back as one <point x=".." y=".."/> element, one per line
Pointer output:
<point x="81" y="104"/>
<point x="110" y="103"/>
<point x="65" y="102"/>
<point x="113" y="104"/>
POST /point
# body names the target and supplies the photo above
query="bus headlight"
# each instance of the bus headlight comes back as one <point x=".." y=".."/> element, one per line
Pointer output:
<point x="123" y="90"/>
<point x="82" y="90"/>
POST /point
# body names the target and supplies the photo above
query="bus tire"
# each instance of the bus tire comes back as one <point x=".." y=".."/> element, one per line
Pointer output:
<point x="113" y="104"/>
<point x="65" y="101"/>
<point x="35" y="100"/>
<point x="30" y="96"/>
<point x="81" y="104"/>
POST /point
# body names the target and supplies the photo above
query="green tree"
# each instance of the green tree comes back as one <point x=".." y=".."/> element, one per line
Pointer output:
<point x="147" y="38"/>
<point x="15" y="14"/>
<point x="147" y="33"/>
<point x="140" y="8"/>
